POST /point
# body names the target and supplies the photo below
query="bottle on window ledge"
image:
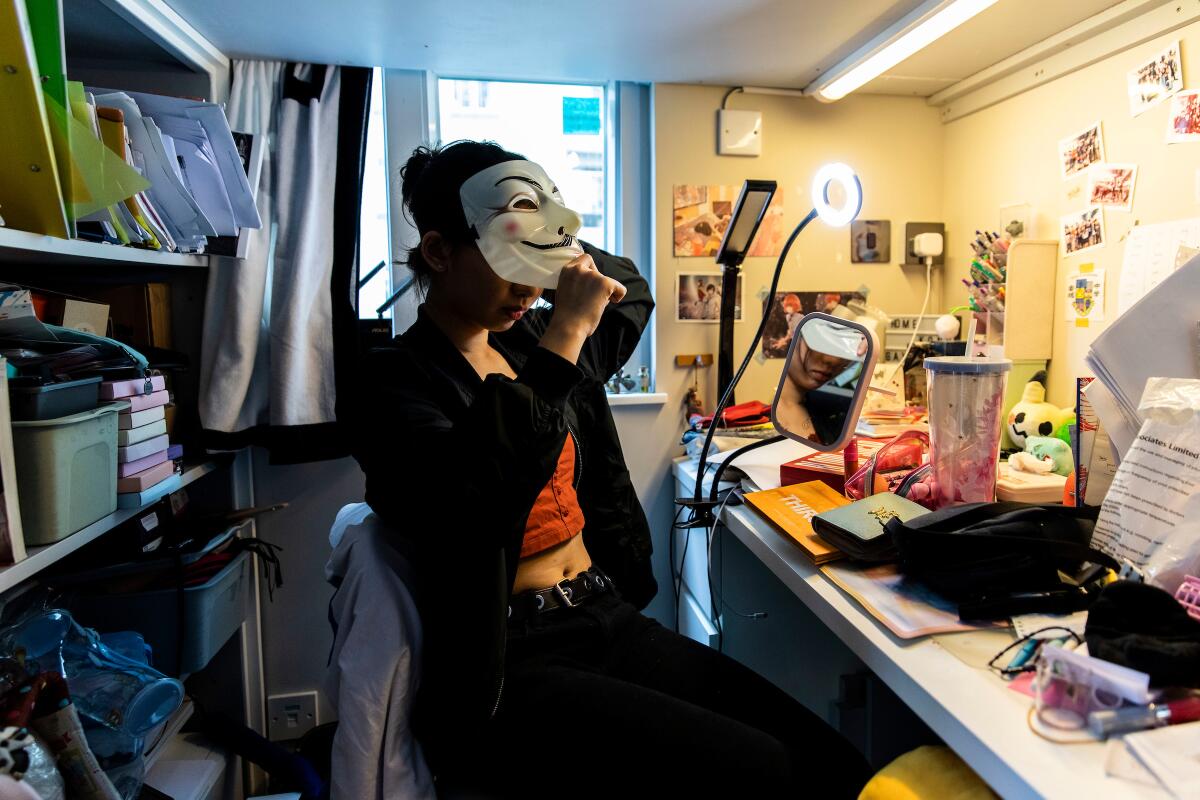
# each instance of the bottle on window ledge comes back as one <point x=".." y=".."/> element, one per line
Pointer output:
<point x="644" y="378"/>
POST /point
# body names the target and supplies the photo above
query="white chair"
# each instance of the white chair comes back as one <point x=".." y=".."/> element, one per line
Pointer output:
<point x="374" y="669"/>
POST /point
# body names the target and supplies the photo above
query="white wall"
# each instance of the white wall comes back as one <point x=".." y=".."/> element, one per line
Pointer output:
<point x="1008" y="154"/>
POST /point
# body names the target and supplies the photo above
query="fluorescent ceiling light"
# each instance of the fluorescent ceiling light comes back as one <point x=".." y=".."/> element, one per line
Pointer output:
<point x="926" y="24"/>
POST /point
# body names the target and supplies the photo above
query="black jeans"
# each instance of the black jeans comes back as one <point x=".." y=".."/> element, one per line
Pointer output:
<point x="600" y="700"/>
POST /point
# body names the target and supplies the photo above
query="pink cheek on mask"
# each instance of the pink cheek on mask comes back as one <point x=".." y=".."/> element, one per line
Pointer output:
<point x="511" y="228"/>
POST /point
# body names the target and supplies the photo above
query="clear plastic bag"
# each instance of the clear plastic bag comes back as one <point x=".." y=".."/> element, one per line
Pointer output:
<point x="1151" y="514"/>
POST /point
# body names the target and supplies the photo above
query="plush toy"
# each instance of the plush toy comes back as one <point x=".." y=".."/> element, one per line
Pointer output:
<point x="1033" y="416"/>
<point x="1050" y="450"/>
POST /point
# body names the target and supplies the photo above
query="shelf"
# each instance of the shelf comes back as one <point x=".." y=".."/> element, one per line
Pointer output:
<point x="637" y="399"/>
<point x="21" y="247"/>
<point x="168" y="731"/>
<point x="38" y="558"/>
<point x="189" y="769"/>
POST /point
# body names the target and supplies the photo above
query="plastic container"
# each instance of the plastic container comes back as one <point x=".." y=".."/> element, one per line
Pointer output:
<point x="66" y="472"/>
<point x="966" y="397"/>
<point x="210" y="614"/>
<point x="51" y="400"/>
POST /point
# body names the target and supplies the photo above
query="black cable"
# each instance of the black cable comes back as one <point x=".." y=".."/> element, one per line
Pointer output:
<point x="712" y="493"/>
<point x="732" y="89"/>
<point x="712" y="427"/>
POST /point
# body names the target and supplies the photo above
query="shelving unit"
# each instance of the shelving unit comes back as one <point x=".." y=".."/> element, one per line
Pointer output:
<point x="144" y="45"/>
<point x="39" y="558"/>
<point x="1028" y="299"/>
<point x="34" y="249"/>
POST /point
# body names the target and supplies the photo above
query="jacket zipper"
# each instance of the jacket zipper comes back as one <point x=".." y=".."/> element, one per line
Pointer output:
<point x="499" y="694"/>
<point x="578" y="457"/>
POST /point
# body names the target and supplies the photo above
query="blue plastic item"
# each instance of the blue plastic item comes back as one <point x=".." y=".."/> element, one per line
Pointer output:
<point x="105" y="685"/>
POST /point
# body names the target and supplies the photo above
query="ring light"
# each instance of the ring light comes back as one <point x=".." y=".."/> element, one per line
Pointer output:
<point x="844" y="176"/>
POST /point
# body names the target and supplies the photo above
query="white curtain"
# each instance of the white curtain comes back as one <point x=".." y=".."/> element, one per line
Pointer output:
<point x="267" y="372"/>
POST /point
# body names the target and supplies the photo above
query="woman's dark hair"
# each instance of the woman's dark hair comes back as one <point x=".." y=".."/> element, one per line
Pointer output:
<point x="430" y="184"/>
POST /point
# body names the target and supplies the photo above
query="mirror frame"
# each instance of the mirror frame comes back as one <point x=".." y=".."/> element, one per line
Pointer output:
<point x="860" y="397"/>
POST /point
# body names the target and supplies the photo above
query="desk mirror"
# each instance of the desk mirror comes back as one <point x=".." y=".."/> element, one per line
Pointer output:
<point x="825" y="378"/>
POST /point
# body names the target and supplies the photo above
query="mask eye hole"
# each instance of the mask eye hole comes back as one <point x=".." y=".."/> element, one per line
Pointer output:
<point x="523" y="204"/>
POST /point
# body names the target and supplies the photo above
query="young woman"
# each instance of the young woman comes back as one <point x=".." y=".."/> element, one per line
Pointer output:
<point x="489" y="448"/>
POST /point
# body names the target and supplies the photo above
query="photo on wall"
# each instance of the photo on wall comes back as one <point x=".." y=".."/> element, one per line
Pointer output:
<point x="1082" y="231"/>
<point x="1112" y="185"/>
<point x="1078" y="152"/>
<point x="1183" y="118"/>
<point x="698" y="297"/>
<point x="1016" y="219"/>
<point x="785" y="310"/>
<point x="870" y="241"/>
<point x="702" y="213"/>
<point x="1154" y="80"/>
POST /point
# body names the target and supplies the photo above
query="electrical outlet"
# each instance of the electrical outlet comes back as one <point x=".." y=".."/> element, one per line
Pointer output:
<point x="290" y="716"/>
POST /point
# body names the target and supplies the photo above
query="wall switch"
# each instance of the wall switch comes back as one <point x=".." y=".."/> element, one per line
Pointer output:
<point x="290" y="716"/>
<point x="739" y="133"/>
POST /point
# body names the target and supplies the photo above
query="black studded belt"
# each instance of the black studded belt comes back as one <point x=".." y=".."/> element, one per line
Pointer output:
<point x="564" y="594"/>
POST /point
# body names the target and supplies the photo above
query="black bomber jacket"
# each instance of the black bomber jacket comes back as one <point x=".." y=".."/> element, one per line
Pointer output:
<point x="454" y="463"/>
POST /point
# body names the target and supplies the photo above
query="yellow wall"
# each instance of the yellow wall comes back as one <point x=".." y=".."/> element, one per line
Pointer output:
<point x="1008" y="154"/>
<point x="894" y="143"/>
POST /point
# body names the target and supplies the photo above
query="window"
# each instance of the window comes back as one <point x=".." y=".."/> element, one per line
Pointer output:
<point x="373" y="245"/>
<point x="561" y="126"/>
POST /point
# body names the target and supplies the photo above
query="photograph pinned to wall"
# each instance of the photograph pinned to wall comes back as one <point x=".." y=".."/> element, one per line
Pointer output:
<point x="1183" y="118"/>
<point x="1082" y="231"/>
<point x="1154" y="80"/>
<point x="870" y="241"/>
<point x="702" y="213"/>
<point x="1078" y="152"/>
<point x="1085" y="297"/>
<point x="785" y="310"/>
<point x="698" y="297"/>
<point x="1111" y="185"/>
<point x="1016" y="220"/>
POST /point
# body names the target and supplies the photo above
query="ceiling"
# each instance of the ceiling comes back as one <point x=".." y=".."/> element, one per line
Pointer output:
<point x="781" y="43"/>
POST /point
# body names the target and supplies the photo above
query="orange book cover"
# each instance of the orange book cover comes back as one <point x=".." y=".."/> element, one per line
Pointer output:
<point x="791" y="509"/>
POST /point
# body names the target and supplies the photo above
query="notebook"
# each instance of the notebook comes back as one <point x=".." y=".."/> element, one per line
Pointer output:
<point x="791" y="510"/>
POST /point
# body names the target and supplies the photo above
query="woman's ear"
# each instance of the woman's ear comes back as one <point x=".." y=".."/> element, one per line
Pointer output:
<point x="436" y="251"/>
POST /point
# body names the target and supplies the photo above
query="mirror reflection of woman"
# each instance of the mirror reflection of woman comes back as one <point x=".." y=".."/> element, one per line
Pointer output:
<point x="810" y="369"/>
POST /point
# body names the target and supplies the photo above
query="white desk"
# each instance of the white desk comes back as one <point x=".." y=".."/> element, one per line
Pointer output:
<point x="971" y="709"/>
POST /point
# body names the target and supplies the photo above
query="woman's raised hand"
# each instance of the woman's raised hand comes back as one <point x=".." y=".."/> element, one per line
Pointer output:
<point x="579" y="301"/>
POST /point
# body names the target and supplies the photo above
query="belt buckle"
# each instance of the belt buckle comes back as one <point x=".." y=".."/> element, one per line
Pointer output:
<point x="565" y="592"/>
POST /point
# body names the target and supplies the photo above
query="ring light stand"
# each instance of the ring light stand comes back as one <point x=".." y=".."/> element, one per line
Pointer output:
<point x="826" y="176"/>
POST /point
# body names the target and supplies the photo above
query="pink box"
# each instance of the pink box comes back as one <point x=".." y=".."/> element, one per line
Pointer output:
<point x="143" y="401"/>
<point x="145" y="479"/>
<point x="117" y="390"/>
<point x="141" y="465"/>
<point x="140" y="450"/>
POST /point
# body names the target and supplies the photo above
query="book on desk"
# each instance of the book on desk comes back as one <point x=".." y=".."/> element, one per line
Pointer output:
<point x="791" y="510"/>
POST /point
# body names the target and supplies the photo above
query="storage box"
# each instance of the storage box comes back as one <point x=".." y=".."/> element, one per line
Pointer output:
<point x="66" y="472"/>
<point x="185" y="632"/>
<point x="51" y="400"/>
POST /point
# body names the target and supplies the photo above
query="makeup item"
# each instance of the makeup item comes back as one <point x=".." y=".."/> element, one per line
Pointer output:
<point x="1136" y="718"/>
<point x="849" y="460"/>
<point x="966" y="396"/>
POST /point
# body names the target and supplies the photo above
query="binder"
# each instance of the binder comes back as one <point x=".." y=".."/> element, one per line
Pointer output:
<point x="30" y="192"/>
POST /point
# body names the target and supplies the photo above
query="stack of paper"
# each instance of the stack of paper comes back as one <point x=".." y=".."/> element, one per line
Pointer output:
<point x="1155" y="338"/>
<point x="145" y="471"/>
<point x="185" y="149"/>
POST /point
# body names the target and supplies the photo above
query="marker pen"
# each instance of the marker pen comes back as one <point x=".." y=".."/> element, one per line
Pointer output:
<point x="1136" y="718"/>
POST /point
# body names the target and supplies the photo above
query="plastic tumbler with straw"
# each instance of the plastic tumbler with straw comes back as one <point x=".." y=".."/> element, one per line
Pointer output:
<point x="966" y="396"/>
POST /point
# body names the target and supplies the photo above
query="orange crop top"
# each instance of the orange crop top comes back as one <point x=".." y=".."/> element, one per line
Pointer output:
<point x="556" y="516"/>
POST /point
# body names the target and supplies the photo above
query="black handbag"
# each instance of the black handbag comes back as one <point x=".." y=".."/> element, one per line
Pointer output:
<point x="1000" y="559"/>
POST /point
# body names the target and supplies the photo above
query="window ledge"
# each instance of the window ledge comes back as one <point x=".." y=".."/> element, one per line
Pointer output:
<point x="637" y="399"/>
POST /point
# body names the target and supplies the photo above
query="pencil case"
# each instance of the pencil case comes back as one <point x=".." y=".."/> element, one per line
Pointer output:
<point x="142" y="449"/>
<point x="143" y="401"/>
<point x="112" y="390"/>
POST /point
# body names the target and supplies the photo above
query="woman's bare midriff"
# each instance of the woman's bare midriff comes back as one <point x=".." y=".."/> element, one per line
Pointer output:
<point x="544" y="569"/>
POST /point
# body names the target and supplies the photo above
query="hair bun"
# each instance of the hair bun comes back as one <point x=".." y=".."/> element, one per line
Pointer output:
<point x="411" y="172"/>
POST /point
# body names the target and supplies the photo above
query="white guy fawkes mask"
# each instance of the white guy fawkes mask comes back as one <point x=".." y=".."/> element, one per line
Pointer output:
<point x="525" y="233"/>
